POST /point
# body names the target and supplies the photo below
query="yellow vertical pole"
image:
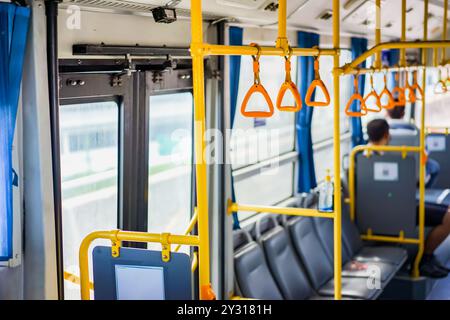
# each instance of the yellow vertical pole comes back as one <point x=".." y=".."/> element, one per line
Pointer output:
<point x="377" y="64"/>
<point x="416" y="272"/>
<point x="199" y="133"/>
<point x="337" y="156"/>
<point x="403" y="38"/>
<point x="444" y="32"/>
<point x="282" y="40"/>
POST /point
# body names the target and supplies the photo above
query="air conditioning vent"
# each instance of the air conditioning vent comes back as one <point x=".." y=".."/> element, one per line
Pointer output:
<point x="244" y="4"/>
<point x="273" y="6"/>
<point x="326" y="15"/>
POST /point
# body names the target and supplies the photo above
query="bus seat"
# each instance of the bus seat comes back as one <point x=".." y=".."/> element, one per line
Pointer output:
<point x="252" y="273"/>
<point x="285" y="266"/>
<point x="318" y="265"/>
<point x="438" y="196"/>
<point x="324" y="227"/>
<point x="402" y="137"/>
<point x="382" y="182"/>
<point x="441" y="154"/>
<point x="355" y="246"/>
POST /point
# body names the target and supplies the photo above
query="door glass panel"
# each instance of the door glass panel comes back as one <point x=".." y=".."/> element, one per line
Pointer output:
<point x="170" y="163"/>
<point x="89" y="134"/>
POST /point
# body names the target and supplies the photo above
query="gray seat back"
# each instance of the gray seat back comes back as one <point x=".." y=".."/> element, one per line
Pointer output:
<point x="350" y="233"/>
<point x="438" y="146"/>
<point x="325" y="230"/>
<point x="411" y="138"/>
<point x="283" y="262"/>
<point x="383" y="182"/>
<point x="310" y="250"/>
<point x="252" y="273"/>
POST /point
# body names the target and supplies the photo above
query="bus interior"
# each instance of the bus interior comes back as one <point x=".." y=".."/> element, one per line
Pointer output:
<point x="224" y="150"/>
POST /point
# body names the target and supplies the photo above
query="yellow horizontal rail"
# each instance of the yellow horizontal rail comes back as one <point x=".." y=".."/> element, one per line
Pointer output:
<point x="117" y="236"/>
<point x="441" y="130"/>
<point x="390" y="239"/>
<point x="355" y="71"/>
<point x="224" y="50"/>
<point x="349" y="68"/>
<point x="302" y="212"/>
<point x="402" y="149"/>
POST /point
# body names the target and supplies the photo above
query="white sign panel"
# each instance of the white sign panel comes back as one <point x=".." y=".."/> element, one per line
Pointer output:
<point x="139" y="283"/>
<point x="385" y="171"/>
<point x="436" y="143"/>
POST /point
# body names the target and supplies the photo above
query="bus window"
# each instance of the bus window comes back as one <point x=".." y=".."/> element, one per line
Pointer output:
<point x="89" y="172"/>
<point x="263" y="150"/>
<point x="322" y="123"/>
<point x="170" y="163"/>
<point x="252" y="146"/>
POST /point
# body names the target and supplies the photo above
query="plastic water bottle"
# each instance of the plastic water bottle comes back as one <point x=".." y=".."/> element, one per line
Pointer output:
<point x="326" y="192"/>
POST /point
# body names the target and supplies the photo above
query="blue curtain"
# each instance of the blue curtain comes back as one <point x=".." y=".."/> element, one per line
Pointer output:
<point x="307" y="174"/>
<point x="235" y="39"/>
<point x="393" y="59"/>
<point x="14" y="22"/>
<point x="358" y="46"/>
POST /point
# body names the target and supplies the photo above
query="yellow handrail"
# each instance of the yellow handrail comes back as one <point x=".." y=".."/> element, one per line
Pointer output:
<point x="116" y="237"/>
<point x="189" y="229"/>
<point x="75" y="279"/>
<point x="302" y="212"/>
<point x="441" y="130"/>
<point x="352" y="66"/>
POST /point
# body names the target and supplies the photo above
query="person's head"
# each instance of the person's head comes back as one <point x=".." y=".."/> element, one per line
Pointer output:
<point x="378" y="132"/>
<point x="397" y="112"/>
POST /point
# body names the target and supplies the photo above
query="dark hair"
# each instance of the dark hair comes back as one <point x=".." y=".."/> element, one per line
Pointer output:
<point x="377" y="129"/>
<point x="397" y="112"/>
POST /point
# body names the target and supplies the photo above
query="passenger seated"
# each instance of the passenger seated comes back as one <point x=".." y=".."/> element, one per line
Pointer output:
<point x="396" y="122"/>
<point x="436" y="216"/>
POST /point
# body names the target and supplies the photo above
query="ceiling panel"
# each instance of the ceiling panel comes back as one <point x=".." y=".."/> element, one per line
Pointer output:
<point x="357" y="15"/>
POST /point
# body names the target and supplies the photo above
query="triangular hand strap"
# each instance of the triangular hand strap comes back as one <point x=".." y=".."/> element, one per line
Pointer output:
<point x="257" y="88"/>
<point x="390" y="98"/>
<point x="348" y="108"/>
<point x="401" y="99"/>
<point x="317" y="84"/>
<point x="294" y="90"/>
<point x="373" y="94"/>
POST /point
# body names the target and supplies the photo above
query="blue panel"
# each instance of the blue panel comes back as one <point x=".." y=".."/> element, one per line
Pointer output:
<point x="177" y="272"/>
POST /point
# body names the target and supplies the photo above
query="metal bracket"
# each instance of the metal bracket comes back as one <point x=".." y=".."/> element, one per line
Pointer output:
<point x="115" y="246"/>
<point x="165" y="253"/>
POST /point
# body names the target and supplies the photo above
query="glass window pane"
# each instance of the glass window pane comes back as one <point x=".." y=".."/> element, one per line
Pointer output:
<point x="89" y="136"/>
<point x="170" y="163"/>
<point x="322" y="123"/>
<point x="255" y="140"/>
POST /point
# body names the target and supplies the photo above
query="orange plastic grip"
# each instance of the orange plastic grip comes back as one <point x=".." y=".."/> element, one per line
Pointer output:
<point x="317" y="83"/>
<point x="257" y="88"/>
<point x="374" y="94"/>
<point x="401" y="99"/>
<point x="289" y="85"/>
<point x="391" y="100"/>
<point x="356" y="97"/>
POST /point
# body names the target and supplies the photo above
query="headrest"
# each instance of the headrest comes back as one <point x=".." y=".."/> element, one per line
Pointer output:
<point x="265" y="224"/>
<point x="241" y="237"/>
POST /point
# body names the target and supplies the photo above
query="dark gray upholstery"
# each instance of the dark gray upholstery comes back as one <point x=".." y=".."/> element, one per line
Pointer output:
<point x="359" y="252"/>
<point x="324" y="228"/>
<point x="285" y="266"/>
<point x="443" y="179"/>
<point x="252" y="273"/>
<point x="319" y="266"/>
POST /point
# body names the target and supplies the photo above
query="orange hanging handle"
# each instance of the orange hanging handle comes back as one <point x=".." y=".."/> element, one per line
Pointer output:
<point x="257" y="87"/>
<point x="411" y="91"/>
<point x="354" y="98"/>
<point x="441" y="86"/>
<point x="415" y="87"/>
<point x="401" y="99"/>
<point x="289" y="85"/>
<point x="317" y="84"/>
<point x="388" y="94"/>
<point x="373" y="93"/>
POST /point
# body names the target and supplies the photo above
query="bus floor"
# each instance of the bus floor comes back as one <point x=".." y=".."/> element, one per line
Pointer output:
<point x="441" y="289"/>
